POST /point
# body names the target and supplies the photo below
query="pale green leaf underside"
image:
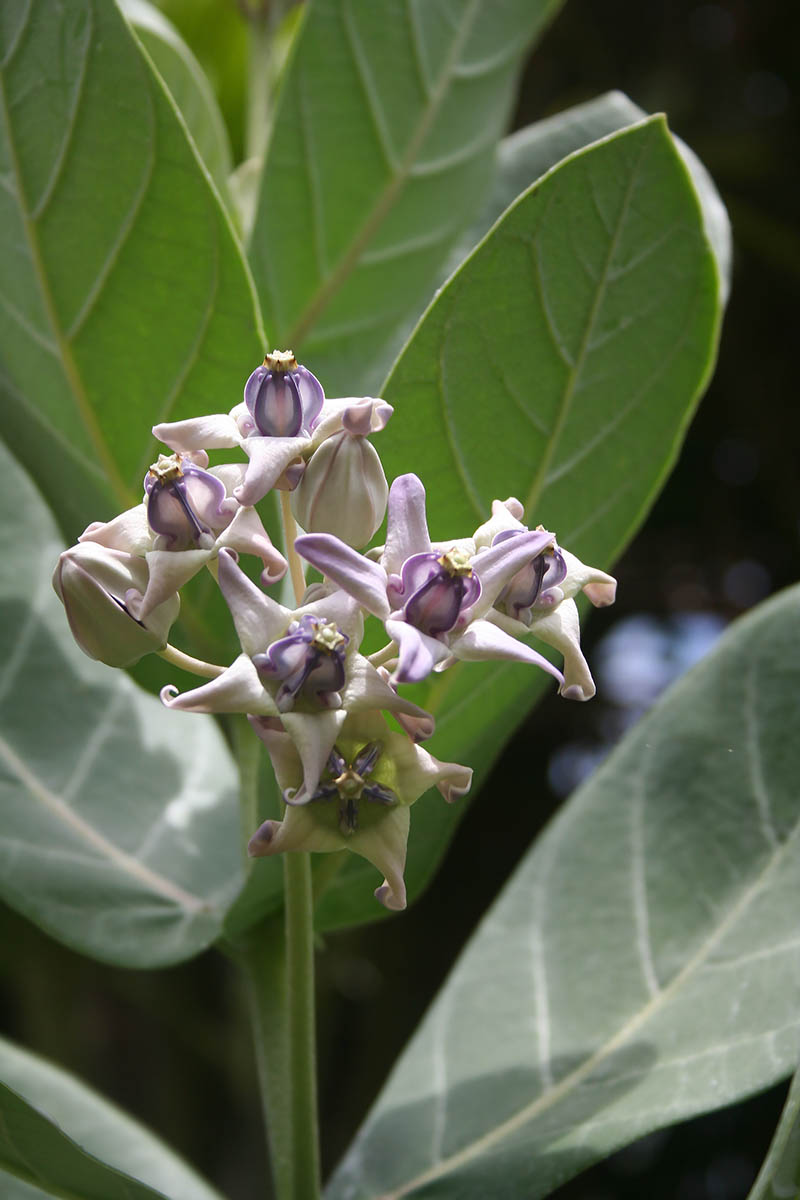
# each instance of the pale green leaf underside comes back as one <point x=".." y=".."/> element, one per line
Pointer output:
<point x="571" y="388"/>
<point x="641" y="966"/>
<point x="779" y="1177"/>
<point x="120" y="829"/>
<point x="382" y="148"/>
<point x="126" y="299"/>
<point x="188" y="85"/>
<point x="59" y="1138"/>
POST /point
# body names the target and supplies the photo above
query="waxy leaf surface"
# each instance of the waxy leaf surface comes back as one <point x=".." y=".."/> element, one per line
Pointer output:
<point x="120" y="826"/>
<point x="641" y="966"/>
<point x="381" y="151"/>
<point x="124" y="298"/>
<point x="560" y="364"/>
<point x="59" y="1138"/>
<point x="527" y="154"/>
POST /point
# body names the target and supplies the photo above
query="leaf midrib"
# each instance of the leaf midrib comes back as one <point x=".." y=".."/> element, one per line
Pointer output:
<point x="563" y="1088"/>
<point x="120" y="858"/>
<point x="540" y="478"/>
<point x="380" y="209"/>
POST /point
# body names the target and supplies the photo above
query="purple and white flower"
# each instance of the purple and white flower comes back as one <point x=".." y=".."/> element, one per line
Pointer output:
<point x="539" y="600"/>
<point x="188" y="515"/>
<point x="362" y="801"/>
<point x="433" y="601"/>
<point x="283" y="419"/>
<point x="300" y="667"/>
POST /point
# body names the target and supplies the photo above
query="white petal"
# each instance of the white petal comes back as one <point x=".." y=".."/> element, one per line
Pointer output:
<point x="487" y="640"/>
<point x="407" y="526"/>
<point x="236" y="690"/>
<point x="269" y="458"/>
<point x="130" y="531"/>
<point x="215" y="432"/>
<point x="259" y="619"/>
<point x="561" y="629"/>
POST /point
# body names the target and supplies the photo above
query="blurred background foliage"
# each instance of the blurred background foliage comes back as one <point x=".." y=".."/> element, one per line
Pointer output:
<point x="173" y="1046"/>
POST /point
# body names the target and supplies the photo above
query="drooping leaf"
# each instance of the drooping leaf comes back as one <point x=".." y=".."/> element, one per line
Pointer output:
<point x="641" y="966"/>
<point x="526" y="155"/>
<point x="120" y="827"/>
<point x="188" y="85"/>
<point x="560" y="364"/>
<point x="125" y="297"/>
<point x="779" y="1177"/>
<point x="381" y="151"/>
<point x="59" y="1138"/>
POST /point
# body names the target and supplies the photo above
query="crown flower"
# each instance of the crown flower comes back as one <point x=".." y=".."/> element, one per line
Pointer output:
<point x="362" y="801"/>
<point x="432" y="601"/>
<point x="301" y="666"/>
<point x="188" y="515"/>
<point x="282" y="420"/>
<point x="539" y="600"/>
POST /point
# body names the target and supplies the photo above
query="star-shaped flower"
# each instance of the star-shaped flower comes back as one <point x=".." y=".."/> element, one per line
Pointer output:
<point x="433" y="600"/>
<point x="539" y="599"/>
<point x="188" y="515"/>
<point x="300" y="666"/>
<point x="285" y="416"/>
<point x="371" y="778"/>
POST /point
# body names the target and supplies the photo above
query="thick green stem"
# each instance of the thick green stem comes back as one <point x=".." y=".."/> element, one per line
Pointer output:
<point x="301" y="1025"/>
<point x="264" y="961"/>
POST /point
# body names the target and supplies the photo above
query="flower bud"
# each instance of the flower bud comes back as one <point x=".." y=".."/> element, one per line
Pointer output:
<point x="92" y="582"/>
<point x="343" y="490"/>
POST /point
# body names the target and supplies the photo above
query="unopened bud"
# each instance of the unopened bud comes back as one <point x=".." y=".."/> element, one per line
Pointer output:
<point x="92" y="582"/>
<point x="343" y="490"/>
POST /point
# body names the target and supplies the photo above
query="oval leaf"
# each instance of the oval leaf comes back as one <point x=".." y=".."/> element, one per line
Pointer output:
<point x="381" y="151"/>
<point x="59" y="1136"/>
<point x="125" y="298"/>
<point x="120" y="832"/>
<point x="570" y="388"/>
<point x="642" y="964"/>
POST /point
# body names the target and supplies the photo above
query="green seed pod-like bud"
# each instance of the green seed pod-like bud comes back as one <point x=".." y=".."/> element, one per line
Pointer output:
<point x="343" y="490"/>
<point x="92" y="583"/>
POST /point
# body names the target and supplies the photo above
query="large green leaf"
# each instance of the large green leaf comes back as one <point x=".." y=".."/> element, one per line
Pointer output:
<point x="527" y="154"/>
<point x="779" y="1177"/>
<point x="125" y="298"/>
<point x="188" y="85"/>
<point x="381" y="151"/>
<point x="641" y="966"/>
<point x="58" y="1138"/>
<point x="120" y="825"/>
<point x="561" y="364"/>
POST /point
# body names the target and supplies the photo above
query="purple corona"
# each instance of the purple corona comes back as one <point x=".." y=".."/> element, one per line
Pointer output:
<point x="185" y="504"/>
<point x="309" y="661"/>
<point x="283" y="398"/>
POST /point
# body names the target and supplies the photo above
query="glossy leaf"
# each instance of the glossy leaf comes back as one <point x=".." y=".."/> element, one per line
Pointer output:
<point x="58" y="1138"/>
<point x="572" y="390"/>
<point x="642" y="965"/>
<point x="526" y="155"/>
<point x="381" y="151"/>
<point x="779" y="1177"/>
<point x="188" y="85"/>
<point x="125" y="298"/>
<point x="120" y="832"/>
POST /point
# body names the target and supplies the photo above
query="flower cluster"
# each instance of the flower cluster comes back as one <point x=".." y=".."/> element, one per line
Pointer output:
<point x="316" y="701"/>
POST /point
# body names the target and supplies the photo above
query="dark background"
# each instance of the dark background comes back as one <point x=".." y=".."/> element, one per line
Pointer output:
<point x="173" y="1046"/>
